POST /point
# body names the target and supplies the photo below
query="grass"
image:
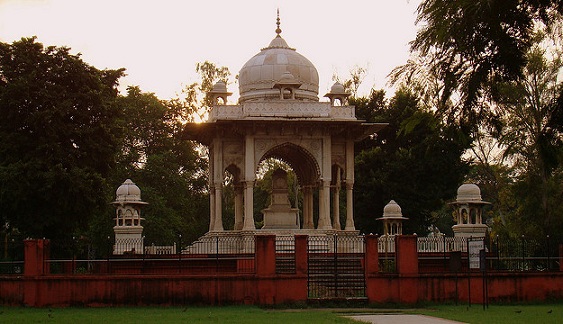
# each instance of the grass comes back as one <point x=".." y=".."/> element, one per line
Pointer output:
<point x="234" y="314"/>
<point x="496" y="314"/>
<point x="512" y="314"/>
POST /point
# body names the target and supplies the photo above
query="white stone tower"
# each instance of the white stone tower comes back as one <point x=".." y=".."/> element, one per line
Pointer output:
<point x="128" y="230"/>
<point x="469" y="212"/>
<point x="392" y="219"/>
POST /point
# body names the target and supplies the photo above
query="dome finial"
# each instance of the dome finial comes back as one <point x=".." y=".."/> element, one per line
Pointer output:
<point x="278" y="30"/>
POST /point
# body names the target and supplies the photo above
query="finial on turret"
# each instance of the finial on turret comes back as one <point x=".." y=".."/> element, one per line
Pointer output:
<point x="278" y="30"/>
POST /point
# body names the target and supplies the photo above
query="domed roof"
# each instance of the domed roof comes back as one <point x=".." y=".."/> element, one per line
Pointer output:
<point x="392" y="211"/>
<point x="258" y="76"/>
<point x="128" y="192"/>
<point x="468" y="192"/>
<point x="220" y="87"/>
<point x="337" y="88"/>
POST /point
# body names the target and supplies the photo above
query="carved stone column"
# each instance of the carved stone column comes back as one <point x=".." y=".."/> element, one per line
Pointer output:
<point x="249" y="172"/>
<point x="239" y="207"/>
<point x="350" y="186"/>
<point x="249" y="206"/>
<point x="336" y="206"/>
<point x="211" y="208"/>
<point x="308" y="208"/>
<point x="350" y="207"/>
<point x="324" y="202"/>
<point x="218" y="224"/>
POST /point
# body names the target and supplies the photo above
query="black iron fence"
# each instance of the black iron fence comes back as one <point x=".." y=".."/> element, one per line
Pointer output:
<point x="336" y="267"/>
<point x="501" y="254"/>
<point x="211" y="254"/>
<point x="523" y="254"/>
<point x="285" y="254"/>
<point x="11" y="254"/>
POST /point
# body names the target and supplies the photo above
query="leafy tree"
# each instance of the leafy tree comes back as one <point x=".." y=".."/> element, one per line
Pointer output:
<point x="195" y="102"/>
<point x="474" y="43"/>
<point x="59" y="136"/>
<point x="416" y="161"/>
<point x="528" y="109"/>
<point x="166" y="168"/>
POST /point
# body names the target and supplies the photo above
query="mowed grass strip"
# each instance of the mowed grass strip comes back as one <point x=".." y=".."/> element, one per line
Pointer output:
<point x="116" y="315"/>
<point x="510" y="314"/>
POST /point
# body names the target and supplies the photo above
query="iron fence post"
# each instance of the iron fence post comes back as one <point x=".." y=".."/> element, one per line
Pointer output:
<point x="523" y="255"/>
<point x="548" y="254"/>
<point x="498" y="253"/>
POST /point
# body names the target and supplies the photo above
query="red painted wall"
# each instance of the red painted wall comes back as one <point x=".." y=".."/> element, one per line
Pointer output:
<point x="39" y="288"/>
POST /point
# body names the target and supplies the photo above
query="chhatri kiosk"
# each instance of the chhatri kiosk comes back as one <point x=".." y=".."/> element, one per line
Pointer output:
<point x="279" y="115"/>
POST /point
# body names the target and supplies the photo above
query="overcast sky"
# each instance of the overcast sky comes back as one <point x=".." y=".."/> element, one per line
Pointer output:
<point x="159" y="42"/>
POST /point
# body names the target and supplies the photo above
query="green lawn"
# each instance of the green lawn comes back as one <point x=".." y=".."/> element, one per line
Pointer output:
<point x="511" y="314"/>
<point x="223" y="315"/>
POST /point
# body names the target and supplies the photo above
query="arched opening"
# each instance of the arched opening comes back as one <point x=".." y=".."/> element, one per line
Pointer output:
<point x="303" y="177"/>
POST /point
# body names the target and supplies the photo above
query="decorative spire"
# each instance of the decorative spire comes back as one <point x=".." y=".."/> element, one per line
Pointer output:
<point x="278" y="30"/>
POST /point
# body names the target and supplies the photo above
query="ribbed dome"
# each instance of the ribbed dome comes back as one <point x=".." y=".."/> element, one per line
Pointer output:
<point x="337" y="88"/>
<point x="468" y="192"/>
<point x="128" y="192"/>
<point x="258" y="76"/>
<point x="392" y="209"/>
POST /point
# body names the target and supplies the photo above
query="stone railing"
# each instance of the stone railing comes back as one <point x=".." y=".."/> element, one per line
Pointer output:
<point x="442" y="244"/>
<point x="426" y="244"/>
<point x="160" y="249"/>
<point x="285" y="109"/>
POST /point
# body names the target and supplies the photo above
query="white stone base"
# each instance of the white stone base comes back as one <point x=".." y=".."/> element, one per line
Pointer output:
<point x="286" y="219"/>
<point x="470" y="230"/>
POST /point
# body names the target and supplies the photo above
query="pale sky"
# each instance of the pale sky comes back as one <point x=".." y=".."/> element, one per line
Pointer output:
<point x="160" y="42"/>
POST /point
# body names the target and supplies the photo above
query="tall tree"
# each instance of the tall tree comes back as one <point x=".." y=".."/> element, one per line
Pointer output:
<point x="475" y="42"/>
<point x="166" y="168"/>
<point x="58" y="138"/>
<point x="416" y="161"/>
<point x="528" y="109"/>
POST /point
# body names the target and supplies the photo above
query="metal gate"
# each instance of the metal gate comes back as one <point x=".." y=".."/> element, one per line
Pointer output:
<point x="336" y="267"/>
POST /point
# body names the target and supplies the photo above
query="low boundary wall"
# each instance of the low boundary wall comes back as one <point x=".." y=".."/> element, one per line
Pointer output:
<point x="37" y="287"/>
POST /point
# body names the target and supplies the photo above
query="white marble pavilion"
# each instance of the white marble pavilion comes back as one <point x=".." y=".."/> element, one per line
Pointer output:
<point x="279" y="115"/>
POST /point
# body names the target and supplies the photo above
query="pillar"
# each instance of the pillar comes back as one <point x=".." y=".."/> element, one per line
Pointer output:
<point x="249" y="171"/>
<point x="249" y="206"/>
<point x="371" y="255"/>
<point x="324" y="202"/>
<point x="350" y="207"/>
<point x="350" y="186"/>
<point x="216" y="176"/>
<point x="265" y="250"/>
<point x="239" y="207"/>
<point x="211" y="208"/>
<point x="218" y="224"/>
<point x="308" y="208"/>
<point x="336" y="204"/>
<point x="301" y="261"/>
<point x="406" y="254"/>
<point x="35" y="254"/>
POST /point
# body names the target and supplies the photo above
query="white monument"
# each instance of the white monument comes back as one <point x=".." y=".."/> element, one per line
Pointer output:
<point x="280" y="215"/>
<point x="128" y="229"/>
<point x="392" y="219"/>
<point x="279" y="115"/>
<point x="469" y="212"/>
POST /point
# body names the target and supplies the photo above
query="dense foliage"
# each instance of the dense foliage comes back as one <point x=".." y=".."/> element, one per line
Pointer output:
<point x="416" y="161"/>
<point x="59" y="136"/>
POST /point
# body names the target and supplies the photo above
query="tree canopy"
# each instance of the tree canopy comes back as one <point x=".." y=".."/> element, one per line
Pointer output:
<point x="59" y="135"/>
<point x="416" y="161"/>
<point x="473" y="43"/>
